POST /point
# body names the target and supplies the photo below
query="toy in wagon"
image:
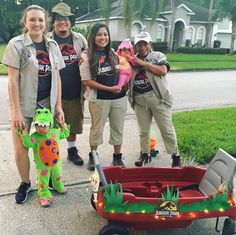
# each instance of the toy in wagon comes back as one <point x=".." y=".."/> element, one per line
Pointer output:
<point x="158" y="198"/>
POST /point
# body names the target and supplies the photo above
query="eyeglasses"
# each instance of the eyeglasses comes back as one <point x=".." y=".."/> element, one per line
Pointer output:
<point x="62" y="18"/>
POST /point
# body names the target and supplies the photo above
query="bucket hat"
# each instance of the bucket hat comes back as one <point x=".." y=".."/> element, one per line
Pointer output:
<point x="64" y="10"/>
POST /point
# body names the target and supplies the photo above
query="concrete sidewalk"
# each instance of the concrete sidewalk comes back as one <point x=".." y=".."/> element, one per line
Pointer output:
<point x="71" y="213"/>
<point x="73" y="174"/>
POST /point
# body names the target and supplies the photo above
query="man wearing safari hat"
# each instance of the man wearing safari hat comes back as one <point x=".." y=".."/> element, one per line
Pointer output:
<point x="150" y="97"/>
<point x="71" y="45"/>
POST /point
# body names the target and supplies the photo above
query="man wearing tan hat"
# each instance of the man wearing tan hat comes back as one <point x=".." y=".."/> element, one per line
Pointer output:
<point x="71" y="45"/>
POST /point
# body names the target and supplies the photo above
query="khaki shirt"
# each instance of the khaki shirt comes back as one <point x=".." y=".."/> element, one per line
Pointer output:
<point x="85" y="73"/>
<point x="158" y="83"/>
<point x="21" y="54"/>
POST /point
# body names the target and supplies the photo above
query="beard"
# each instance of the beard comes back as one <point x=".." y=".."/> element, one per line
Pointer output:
<point x="63" y="31"/>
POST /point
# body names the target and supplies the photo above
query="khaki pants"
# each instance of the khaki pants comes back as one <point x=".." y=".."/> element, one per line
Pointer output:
<point x="147" y="106"/>
<point x="100" y="110"/>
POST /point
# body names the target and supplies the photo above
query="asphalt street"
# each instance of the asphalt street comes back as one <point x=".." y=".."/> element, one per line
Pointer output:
<point x="191" y="90"/>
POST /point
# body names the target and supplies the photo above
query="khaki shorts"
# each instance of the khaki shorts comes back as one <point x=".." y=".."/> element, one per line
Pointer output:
<point x="74" y="115"/>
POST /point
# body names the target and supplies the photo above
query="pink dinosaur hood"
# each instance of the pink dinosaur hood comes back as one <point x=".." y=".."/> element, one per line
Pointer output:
<point x="125" y="44"/>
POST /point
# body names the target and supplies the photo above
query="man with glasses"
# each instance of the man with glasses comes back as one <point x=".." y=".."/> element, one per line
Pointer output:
<point x="71" y="45"/>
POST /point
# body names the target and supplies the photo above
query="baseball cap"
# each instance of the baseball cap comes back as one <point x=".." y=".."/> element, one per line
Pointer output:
<point x="142" y="36"/>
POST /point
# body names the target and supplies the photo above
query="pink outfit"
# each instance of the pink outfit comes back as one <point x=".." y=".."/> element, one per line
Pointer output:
<point x="125" y="66"/>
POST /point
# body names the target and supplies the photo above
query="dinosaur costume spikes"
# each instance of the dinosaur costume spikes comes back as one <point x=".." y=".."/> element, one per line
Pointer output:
<point x="43" y="117"/>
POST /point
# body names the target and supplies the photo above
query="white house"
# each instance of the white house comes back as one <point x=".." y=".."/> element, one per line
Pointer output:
<point x="191" y="23"/>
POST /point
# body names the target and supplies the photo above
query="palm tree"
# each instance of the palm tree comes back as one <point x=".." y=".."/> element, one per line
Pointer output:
<point x="209" y="26"/>
<point x="105" y="6"/>
<point x="140" y="9"/>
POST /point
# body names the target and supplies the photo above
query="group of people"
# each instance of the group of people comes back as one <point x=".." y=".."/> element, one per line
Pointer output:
<point x="57" y="70"/>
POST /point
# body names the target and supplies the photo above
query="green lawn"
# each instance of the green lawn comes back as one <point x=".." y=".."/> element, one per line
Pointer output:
<point x="201" y="62"/>
<point x="200" y="133"/>
<point x="3" y="68"/>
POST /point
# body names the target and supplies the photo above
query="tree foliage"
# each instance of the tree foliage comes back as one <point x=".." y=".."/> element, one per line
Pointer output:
<point x="9" y="15"/>
<point x="11" y="12"/>
<point x="139" y="9"/>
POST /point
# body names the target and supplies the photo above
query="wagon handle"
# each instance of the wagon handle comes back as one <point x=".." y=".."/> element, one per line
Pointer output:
<point x="99" y="168"/>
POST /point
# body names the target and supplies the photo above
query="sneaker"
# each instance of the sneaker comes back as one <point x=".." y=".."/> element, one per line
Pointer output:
<point x="22" y="192"/>
<point x="117" y="160"/>
<point x="176" y="162"/>
<point x="143" y="160"/>
<point x="45" y="202"/>
<point x="91" y="165"/>
<point x="74" y="156"/>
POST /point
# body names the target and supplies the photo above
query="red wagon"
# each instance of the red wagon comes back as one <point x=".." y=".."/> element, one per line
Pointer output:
<point x="153" y="197"/>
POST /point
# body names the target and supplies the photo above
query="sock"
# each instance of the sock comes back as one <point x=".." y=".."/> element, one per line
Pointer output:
<point x="71" y="144"/>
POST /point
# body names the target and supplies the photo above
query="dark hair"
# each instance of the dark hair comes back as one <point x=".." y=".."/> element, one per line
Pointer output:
<point x="93" y="59"/>
<point x="55" y="15"/>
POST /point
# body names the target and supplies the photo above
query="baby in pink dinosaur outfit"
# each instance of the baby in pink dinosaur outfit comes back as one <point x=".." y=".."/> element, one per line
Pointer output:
<point x="125" y="51"/>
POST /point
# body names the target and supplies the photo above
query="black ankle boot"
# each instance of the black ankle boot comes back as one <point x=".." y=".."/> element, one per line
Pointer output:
<point x="143" y="159"/>
<point x="117" y="160"/>
<point x="74" y="156"/>
<point x="91" y="165"/>
<point x="176" y="162"/>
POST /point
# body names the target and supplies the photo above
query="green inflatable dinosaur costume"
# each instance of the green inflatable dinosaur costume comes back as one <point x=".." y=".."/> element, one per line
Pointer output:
<point x="45" y="141"/>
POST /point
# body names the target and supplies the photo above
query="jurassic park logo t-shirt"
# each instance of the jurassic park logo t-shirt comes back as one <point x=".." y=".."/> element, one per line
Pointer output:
<point x="44" y="71"/>
<point x="105" y="75"/>
<point x="141" y="81"/>
<point x="70" y="75"/>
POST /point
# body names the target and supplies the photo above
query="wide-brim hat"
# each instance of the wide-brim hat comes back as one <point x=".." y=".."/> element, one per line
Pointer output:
<point x="142" y="36"/>
<point x="64" y="10"/>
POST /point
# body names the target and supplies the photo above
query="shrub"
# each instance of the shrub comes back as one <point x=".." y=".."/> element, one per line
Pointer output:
<point x="160" y="46"/>
<point x="202" y="50"/>
<point x="83" y="31"/>
<point x="157" y="46"/>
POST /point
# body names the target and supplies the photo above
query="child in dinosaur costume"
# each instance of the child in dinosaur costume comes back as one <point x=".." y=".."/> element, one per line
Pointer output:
<point x="44" y="142"/>
<point x="125" y="52"/>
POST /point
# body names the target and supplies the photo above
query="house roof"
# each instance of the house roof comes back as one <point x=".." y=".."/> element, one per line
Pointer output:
<point x="201" y="13"/>
<point x="197" y="13"/>
<point x="116" y="11"/>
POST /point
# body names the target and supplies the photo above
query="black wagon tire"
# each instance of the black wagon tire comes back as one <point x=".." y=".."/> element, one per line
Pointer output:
<point x="93" y="202"/>
<point x="228" y="227"/>
<point x="113" y="229"/>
